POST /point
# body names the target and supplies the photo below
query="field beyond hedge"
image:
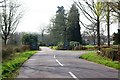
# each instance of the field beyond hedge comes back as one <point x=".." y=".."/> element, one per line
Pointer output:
<point x="94" y="57"/>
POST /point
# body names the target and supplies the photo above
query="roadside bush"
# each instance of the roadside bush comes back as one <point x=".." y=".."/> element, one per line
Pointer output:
<point x="7" y="51"/>
<point x="24" y="48"/>
<point x="21" y="48"/>
<point x="55" y="48"/>
<point x="10" y="50"/>
<point x="17" y="49"/>
<point x="90" y="47"/>
<point x="79" y="48"/>
<point x="73" y="44"/>
<point x="60" y="46"/>
<point x="110" y="53"/>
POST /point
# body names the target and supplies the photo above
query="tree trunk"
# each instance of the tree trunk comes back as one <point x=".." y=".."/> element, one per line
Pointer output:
<point x="98" y="32"/>
<point x="94" y="38"/>
<point x="108" y="24"/>
<point x="5" y="41"/>
<point x="119" y="28"/>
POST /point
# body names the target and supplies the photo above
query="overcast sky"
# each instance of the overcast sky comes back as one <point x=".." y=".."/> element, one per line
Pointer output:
<point x="37" y="13"/>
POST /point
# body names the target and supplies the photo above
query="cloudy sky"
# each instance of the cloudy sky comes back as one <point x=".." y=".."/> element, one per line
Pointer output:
<point x="37" y="13"/>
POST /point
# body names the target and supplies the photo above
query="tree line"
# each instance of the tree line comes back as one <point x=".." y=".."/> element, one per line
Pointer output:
<point x="99" y="12"/>
<point x="65" y="26"/>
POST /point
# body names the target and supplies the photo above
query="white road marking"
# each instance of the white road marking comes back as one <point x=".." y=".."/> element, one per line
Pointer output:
<point x="59" y="63"/>
<point x="73" y="75"/>
<point x="54" y="57"/>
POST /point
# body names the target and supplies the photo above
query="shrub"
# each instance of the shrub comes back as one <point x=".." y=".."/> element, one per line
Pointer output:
<point x="55" y="47"/>
<point x="30" y="39"/>
<point x="7" y="51"/>
<point x="60" y="46"/>
<point x="73" y="44"/>
<point x="79" y="48"/>
<point x="17" y="49"/>
<point x="90" y="47"/>
<point x="24" y="48"/>
<point x="110" y="53"/>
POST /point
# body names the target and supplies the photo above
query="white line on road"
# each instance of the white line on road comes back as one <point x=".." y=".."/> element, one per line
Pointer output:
<point x="54" y="57"/>
<point x="73" y="75"/>
<point x="59" y="63"/>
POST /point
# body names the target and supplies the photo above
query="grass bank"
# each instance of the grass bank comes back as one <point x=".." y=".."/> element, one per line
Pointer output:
<point x="10" y="67"/>
<point x="94" y="57"/>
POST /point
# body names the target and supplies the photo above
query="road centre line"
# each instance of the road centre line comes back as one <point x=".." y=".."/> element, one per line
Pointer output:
<point x="54" y="56"/>
<point x="59" y="63"/>
<point x="69" y="72"/>
<point x="73" y="75"/>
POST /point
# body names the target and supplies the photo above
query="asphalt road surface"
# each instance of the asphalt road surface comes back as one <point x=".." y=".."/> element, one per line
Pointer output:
<point x="63" y="64"/>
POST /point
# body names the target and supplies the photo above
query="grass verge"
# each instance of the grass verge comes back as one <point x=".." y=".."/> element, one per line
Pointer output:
<point x="92" y="56"/>
<point x="10" y="67"/>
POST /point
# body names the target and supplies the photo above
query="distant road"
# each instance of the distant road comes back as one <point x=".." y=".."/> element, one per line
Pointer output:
<point x="63" y="64"/>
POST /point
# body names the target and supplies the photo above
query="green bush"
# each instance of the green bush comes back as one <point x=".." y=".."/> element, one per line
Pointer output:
<point x="60" y="46"/>
<point x="55" y="47"/>
<point x="73" y="44"/>
<point x="30" y="39"/>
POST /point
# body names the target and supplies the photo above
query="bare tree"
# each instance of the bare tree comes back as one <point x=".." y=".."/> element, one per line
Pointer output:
<point x="10" y="18"/>
<point x="92" y="32"/>
<point x="93" y="12"/>
<point x="42" y="33"/>
<point x="116" y="8"/>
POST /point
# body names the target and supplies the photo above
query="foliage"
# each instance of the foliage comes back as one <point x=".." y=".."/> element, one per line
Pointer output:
<point x="60" y="45"/>
<point x="73" y="44"/>
<point x="58" y="27"/>
<point x="73" y="25"/>
<point x="96" y="9"/>
<point x="12" y="65"/>
<point x="111" y="53"/>
<point x="54" y="47"/>
<point x="31" y="40"/>
<point x="65" y="27"/>
<point x="116" y="37"/>
<point x="7" y="51"/>
<point x="15" y="39"/>
<point x="93" y="56"/>
<point x="10" y="50"/>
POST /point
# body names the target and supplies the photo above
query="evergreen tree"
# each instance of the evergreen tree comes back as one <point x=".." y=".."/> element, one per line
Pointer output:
<point x="74" y="33"/>
<point x="58" y="25"/>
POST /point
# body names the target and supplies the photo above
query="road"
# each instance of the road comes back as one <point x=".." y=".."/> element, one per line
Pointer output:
<point x="63" y="64"/>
